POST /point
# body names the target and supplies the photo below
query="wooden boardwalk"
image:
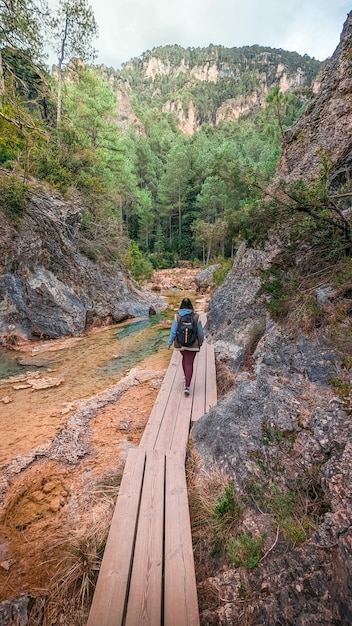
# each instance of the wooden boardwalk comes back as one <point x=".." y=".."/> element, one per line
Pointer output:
<point x="147" y="574"/>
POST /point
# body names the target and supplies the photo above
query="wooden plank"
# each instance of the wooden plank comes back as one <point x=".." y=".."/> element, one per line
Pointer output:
<point x="201" y="355"/>
<point x="174" y="430"/>
<point x="130" y="589"/>
<point x="145" y="595"/>
<point x="110" y="594"/>
<point x="198" y="407"/>
<point x="211" y="394"/>
<point x="152" y="428"/>
<point x="181" y="430"/>
<point x="165" y="435"/>
<point x="180" y="592"/>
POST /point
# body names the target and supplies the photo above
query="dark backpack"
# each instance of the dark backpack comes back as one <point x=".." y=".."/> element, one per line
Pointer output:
<point x="186" y="331"/>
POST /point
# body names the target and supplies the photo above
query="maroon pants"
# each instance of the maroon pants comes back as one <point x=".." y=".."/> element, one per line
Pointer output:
<point x="187" y="365"/>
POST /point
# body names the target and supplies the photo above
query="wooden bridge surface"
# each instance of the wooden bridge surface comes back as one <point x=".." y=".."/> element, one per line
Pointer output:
<point x="147" y="575"/>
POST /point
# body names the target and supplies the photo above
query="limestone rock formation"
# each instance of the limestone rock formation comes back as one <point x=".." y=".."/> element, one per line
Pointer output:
<point x="326" y="126"/>
<point x="48" y="288"/>
<point x="250" y="73"/>
<point x="232" y="108"/>
<point x="281" y="431"/>
<point x="188" y="120"/>
<point x="280" y="427"/>
<point x="204" y="280"/>
<point x="125" y="113"/>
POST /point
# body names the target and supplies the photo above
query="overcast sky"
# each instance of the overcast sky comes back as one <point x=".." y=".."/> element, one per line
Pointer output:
<point x="127" y="28"/>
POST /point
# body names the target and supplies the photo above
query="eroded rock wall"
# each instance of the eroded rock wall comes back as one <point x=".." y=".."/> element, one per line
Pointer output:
<point x="48" y="288"/>
<point x="325" y="129"/>
<point x="282" y="431"/>
<point x="280" y="427"/>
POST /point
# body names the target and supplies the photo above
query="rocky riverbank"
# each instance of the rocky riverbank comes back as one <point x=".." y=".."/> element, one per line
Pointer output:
<point x="60" y="480"/>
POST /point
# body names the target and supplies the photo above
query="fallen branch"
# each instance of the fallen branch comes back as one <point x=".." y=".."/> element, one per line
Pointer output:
<point x="273" y="546"/>
<point x="21" y="125"/>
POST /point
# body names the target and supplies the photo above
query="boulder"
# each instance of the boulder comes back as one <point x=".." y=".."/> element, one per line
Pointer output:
<point x="204" y="280"/>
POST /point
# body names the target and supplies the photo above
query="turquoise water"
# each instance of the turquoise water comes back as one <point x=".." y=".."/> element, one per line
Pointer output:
<point x="73" y="369"/>
<point x="134" y="343"/>
<point x="102" y="354"/>
<point x="9" y="365"/>
<point x="109" y="353"/>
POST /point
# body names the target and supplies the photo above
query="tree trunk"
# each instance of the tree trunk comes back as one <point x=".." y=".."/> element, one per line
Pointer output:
<point x="59" y="82"/>
<point x="121" y="216"/>
<point x="222" y="245"/>
<point x="2" y="81"/>
<point x="59" y="97"/>
<point x="26" y="162"/>
<point x="208" y="253"/>
<point x="179" y="214"/>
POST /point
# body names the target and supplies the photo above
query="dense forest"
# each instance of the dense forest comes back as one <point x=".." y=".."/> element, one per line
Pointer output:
<point x="152" y="195"/>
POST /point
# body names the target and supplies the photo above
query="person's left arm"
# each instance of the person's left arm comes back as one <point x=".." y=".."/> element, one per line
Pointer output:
<point x="172" y="333"/>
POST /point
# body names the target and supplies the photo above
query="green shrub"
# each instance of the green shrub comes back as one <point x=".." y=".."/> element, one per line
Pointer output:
<point x="224" y="517"/>
<point x="289" y="508"/>
<point x="293" y="531"/>
<point x="163" y="260"/>
<point x="139" y="266"/>
<point x="245" y="550"/>
<point x="13" y="197"/>
<point x="221" y="272"/>
<point x="227" y="504"/>
<point x="276" y="289"/>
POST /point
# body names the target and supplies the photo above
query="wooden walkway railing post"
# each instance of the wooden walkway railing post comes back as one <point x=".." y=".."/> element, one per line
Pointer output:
<point x="147" y="576"/>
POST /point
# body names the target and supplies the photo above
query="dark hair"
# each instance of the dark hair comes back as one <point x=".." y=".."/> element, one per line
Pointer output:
<point x="186" y="304"/>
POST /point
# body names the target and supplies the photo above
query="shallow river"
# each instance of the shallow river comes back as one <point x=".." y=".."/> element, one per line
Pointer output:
<point x="77" y="368"/>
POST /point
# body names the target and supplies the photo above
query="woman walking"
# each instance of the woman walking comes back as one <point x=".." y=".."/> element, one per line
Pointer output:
<point x="188" y="352"/>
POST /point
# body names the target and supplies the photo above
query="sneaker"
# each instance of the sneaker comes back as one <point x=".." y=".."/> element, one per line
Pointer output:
<point x="186" y="391"/>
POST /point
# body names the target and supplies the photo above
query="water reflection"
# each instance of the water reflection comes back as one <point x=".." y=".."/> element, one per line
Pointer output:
<point x="132" y="327"/>
<point x="147" y="336"/>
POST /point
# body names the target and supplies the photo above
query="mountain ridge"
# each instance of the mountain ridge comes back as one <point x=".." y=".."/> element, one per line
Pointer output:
<point x="213" y="84"/>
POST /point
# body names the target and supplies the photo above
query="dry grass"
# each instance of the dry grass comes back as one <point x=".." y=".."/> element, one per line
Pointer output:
<point x="209" y="529"/>
<point x="11" y="340"/>
<point x="57" y="556"/>
<point x="207" y="484"/>
<point x="78" y="558"/>
<point x="204" y="489"/>
<point x="76" y="573"/>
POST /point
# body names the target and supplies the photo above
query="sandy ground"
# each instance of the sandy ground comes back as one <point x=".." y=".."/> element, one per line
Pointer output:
<point x="58" y="498"/>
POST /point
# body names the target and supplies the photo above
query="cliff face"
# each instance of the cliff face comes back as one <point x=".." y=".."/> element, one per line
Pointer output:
<point x="126" y="115"/>
<point x="213" y="72"/>
<point x="244" y="77"/>
<point x="326" y="126"/>
<point x="231" y="108"/>
<point x="47" y="287"/>
<point x="281" y="431"/>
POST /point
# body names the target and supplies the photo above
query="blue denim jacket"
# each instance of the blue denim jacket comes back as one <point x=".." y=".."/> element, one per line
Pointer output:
<point x="174" y="328"/>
